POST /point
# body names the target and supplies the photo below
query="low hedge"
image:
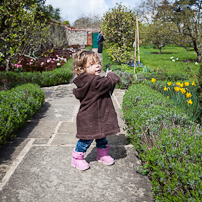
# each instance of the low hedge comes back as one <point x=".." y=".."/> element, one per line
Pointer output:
<point x="166" y="139"/>
<point x="126" y="79"/>
<point x="17" y="106"/>
<point x="47" y="78"/>
<point x="175" y="165"/>
<point x="160" y="76"/>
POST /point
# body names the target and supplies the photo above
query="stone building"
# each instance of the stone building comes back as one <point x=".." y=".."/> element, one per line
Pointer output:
<point x="82" y="36"/>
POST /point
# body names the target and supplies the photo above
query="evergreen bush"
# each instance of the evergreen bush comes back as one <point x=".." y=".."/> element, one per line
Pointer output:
<point x="17" y="106"/>
<point x="167" y="140"/>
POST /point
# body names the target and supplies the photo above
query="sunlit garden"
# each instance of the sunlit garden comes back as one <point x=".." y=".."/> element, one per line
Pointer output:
<point x="162" y="105"/>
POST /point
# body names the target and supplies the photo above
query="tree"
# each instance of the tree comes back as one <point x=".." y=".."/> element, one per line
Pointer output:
<point x="49" y="12"/>
<point x="156" y="31"/>
<point x="184" y="20"/>
<point x="158" y="34"/>
<point x="119" y="30"/>
<point x="20" y="32"/>
<point x="186" y="16"/>
<point x="147" y="10"/>
<point x="88" y="22"/>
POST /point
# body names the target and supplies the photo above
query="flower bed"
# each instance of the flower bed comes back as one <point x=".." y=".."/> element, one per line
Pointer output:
<point x="16" y="107"/>
<point x="183" y="94"/>
<point x="47" y="78"/>
<point x="167" y="140"/>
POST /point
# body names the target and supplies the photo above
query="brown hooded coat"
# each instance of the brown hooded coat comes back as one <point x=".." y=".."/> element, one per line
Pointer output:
<point x="96" y="118"/>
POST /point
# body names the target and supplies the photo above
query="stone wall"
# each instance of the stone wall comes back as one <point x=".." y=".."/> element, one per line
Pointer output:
<point x="80" y="36"/>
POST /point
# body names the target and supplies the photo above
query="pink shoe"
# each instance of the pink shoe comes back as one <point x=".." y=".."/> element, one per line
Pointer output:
<point x="103" y="156"/>
<point x="78" y="161"/>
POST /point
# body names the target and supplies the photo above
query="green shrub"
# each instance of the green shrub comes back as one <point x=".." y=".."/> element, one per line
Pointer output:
<point x="47" y="78"/>
<point x="126" y="79"/>
<point x="17" y="106"/>
<point x="146" y="111"/>
<point x="167" y="140"/>
<point x="175" y="165"/>
<point x="120" y="54"/>
<point x="199" y="88"/>
<point x="160" y="76"/>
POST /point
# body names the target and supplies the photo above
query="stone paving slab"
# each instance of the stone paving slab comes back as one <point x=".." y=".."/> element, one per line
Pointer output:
<point x="9" y="153"/>
<point x="57" y="113"/>
<point x="38" y="129"/>
<point x="35" y="166"/>
<point x="45" y="174"/>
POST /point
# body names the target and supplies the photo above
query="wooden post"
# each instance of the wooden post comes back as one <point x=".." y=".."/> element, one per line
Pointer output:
<point x="135" y="47"/>
<point x="136" y="44"/>
<point x="138" y="41"/>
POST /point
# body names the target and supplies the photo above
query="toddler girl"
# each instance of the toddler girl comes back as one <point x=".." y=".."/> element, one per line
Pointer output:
<point x="96" y="118"/>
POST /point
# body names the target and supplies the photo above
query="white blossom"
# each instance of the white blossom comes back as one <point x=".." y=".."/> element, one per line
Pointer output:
<point x="173" y="60"/>
<point x="58" y="64"/>
<point x="196" y="63"/>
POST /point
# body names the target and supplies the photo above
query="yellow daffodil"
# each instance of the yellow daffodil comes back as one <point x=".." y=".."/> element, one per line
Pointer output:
<point x="188" y="95"/>
<point x="177" y="89"/>
<point x="169" y="83"/>
<point x="165" y="89"/>
<point x="181" y="85"/>
<point x="193" y="84"/>
<point x="186" y="83"/>
<point x="167" y="96"/>
<point x="153" y="80"/>
<point x="190" y="102"/>
<point x="183" y="90"/>
<point x="178" y="83"/>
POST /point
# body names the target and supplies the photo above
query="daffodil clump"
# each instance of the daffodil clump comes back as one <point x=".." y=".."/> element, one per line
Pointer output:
<point x="183" y="94"/>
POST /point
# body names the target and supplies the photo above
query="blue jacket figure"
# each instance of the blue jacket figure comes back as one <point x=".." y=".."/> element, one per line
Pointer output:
<point x="100" y="39"/>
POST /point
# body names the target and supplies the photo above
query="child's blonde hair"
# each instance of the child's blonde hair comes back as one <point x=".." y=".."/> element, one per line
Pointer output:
<point x="80" y="60"/>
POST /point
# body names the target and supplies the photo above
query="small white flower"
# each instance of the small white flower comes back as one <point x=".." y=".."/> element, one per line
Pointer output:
<point x="42" y="63"/>
<point x="196" y="63"/>
<point x="58" y="59"/>
<point x="176" y="58"/>
<point x="58" y="64"/>
<point x="48" y="61"/>
<point x="173" y="60"/>
<point x="65" y="60"/>
<point x="171" y="57"/>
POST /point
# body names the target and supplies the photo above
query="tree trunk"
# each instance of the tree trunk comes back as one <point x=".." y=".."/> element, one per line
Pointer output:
<point x="7" y="65"/>
<point x="159" y="50"/>
<point x="199" y="57"/>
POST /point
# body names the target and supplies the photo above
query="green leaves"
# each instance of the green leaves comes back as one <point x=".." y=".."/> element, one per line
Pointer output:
<point x="16" y="107"/>
<point x="18" y="24"/>
<point x="168" y="141"/>
<point x="119" y="29"/>
<point x="46" y="78"/>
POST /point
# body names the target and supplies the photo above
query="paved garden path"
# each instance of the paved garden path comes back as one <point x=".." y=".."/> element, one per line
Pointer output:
<point x="35" y="166"/>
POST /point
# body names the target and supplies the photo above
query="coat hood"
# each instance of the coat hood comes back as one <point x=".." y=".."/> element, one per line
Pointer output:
<point x="83" y="83"/>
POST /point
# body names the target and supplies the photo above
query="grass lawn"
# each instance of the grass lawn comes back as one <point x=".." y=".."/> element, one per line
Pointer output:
<point x="149" y="57"/>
